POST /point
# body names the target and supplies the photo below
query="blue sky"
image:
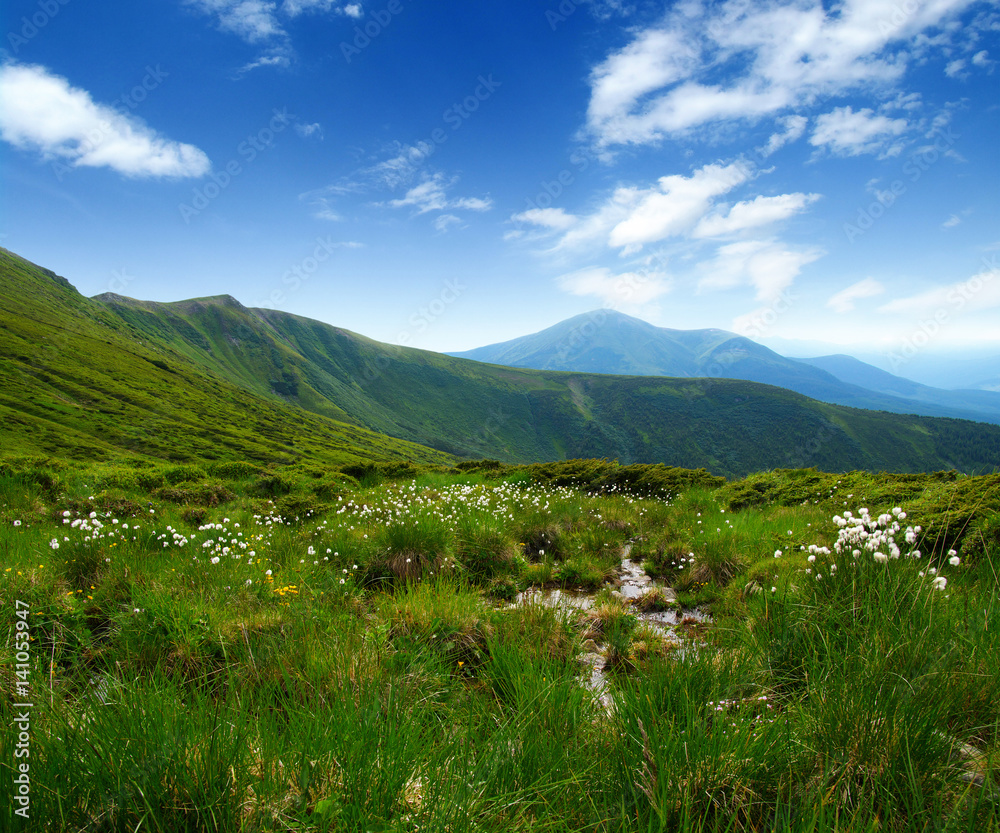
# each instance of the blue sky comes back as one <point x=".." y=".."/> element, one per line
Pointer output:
<point x="448" y="175"/>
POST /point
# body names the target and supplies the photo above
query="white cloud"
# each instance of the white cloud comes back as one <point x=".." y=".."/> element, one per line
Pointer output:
<point x="293" y="8"/>
<point x="792" y="129"/>
<point x="553" y="219"/>
<point x="615" y="290"/>
<point x="954" y="69"/>
<point x="844" y="301"/>
<point x="446" y="221"/>
<point x="307" y="130"/>
<point x="473" y="203"/>
<point x="980" y="292"/>
<point x="674" y="206"/>
<point x="846" y="132"/>
<point x="260" y="22"/>
<point x="752" y="214"/>
<point x="952" y="221"/>
<point x="431" y="195"/>
<point x="399" y="169"/>
<point x="322" y="210"/>
<point x="774" y="55"/>
<point x="252" y="20"/>
<point x="769" y="266"/>
<point x="279" y="59"/>
<point x="982" y="59"/>
<point x="41" y="111"/>
<point x="653" y="60"/>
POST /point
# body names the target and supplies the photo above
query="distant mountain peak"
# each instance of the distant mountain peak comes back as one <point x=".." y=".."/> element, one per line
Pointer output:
<point x="610" y="342"/>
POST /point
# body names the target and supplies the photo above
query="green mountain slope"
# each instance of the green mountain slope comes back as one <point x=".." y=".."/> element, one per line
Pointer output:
<point x="77" y="381"/>
<point x="210" y="378"/>
<point x="605" y="341"/>
<point x="473" y="409"/>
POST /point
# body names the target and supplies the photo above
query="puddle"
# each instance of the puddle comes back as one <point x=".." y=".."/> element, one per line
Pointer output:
<point x="632" y="583"/>
<point x="567" y="599"/>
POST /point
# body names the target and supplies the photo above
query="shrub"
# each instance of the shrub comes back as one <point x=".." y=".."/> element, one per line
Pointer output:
<point x="201" y="494"/>
<point x="183" y="474"/>
<point x="235" y="470"/>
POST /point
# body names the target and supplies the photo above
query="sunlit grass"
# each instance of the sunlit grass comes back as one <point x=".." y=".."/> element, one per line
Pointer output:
<point x="246" y="668"/>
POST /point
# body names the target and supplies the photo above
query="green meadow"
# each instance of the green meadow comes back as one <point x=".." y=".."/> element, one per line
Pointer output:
<point x="229" y="646"/>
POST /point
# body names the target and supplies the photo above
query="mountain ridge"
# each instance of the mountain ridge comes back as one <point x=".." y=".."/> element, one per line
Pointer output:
<point x="595" y="342"/>
<point x="209" y="378"/>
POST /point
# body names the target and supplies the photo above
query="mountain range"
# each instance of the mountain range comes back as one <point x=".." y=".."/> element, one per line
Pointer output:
<point x="208" y="378"/>
<point x="605" y="341"/>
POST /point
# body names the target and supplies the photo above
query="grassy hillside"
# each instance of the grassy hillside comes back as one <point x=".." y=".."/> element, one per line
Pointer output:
<point x="210" y="379"/>
<point x="478" y="410"/>
<point x="78" y="382"/>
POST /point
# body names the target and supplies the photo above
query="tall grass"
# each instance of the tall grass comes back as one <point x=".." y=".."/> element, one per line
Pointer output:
<point x="247" y="671"/>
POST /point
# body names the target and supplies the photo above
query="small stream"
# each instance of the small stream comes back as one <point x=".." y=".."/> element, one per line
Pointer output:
<point x="631" y="584"/>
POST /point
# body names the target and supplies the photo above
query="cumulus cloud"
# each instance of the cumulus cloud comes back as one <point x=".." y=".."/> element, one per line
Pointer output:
<point x="675" y="206"/>
<point x="846" y="132"/>
<point x="779" y="55"/>
<point x="41" y="111"/>
<point x="846" y="299"/>
<point x="635" y="216"/>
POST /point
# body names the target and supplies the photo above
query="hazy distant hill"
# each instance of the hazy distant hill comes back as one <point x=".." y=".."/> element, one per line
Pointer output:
<point x="984" y="402"/>
<point x="210" y="378"/>
<point x="610" y="342"/>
